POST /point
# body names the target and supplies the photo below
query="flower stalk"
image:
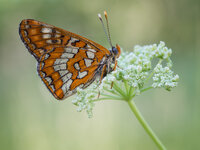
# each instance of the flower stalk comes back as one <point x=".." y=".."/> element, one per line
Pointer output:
<point x="145" y="125"/>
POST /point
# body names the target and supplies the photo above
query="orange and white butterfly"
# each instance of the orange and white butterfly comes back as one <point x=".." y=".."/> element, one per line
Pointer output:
<point x="66" y="60"/>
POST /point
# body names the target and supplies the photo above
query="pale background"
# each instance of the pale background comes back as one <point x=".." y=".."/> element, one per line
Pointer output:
<point x="31" y="119"/>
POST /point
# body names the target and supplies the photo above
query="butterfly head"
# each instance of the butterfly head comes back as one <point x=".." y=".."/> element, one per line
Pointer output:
<point x="112" y="58"/>
<point x="116" y="51"/>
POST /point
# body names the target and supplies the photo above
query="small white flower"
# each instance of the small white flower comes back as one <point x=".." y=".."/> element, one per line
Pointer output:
<point x="164" y="77"/>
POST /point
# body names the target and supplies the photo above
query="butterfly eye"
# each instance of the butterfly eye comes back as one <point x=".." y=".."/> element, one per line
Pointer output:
<point x="114" y="51"/>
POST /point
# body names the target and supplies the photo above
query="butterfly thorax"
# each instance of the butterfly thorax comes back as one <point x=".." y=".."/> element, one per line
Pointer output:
<point x="110" y="62"/>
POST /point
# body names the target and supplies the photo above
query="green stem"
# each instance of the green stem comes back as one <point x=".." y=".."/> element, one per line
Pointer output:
<point x="143" y="90"/>
<point x="131" y="92"/>
<point x="126" y="86"/>
<point x="145" y="125"/>
<point x="159" y="62"/>
<point x="119" y="90"/>
<point x="108" y="98"/>
<point x="111" y="91"/>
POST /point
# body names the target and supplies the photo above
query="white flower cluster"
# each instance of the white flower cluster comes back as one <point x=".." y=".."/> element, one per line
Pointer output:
<point x="163" y="77"/>
<point x="132" y="74"/>
<point x="84" y="99"/>
<point x="133" y="71"/>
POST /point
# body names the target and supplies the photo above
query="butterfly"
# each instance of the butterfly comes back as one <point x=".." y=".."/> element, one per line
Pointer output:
<point x="65" y="60"/>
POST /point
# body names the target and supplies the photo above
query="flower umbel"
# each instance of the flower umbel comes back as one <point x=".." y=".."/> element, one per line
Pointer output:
<point x="144" y="68"/>
<point x="132" y="76"/>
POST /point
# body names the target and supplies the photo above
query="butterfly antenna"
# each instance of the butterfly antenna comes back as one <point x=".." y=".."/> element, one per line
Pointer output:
<point x="107" y="35"/>
<point x="106" y="16"/>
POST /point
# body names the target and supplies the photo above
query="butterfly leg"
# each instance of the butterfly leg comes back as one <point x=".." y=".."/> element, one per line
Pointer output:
<point x="103" y="71"/>
<point x="98" y="95"/>
<point x="115" y="65"/>
<point x="111" y="85"/>
<point x="114" y="69"/>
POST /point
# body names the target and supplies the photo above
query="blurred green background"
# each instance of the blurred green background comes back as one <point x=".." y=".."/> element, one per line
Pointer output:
<point x="31" y="119"/>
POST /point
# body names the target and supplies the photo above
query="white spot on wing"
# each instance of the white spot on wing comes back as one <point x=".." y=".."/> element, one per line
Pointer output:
<point x="66" y="86"/>
<point x="46" y="36"/>
<point x="67" y="55"/>
<point x="75" y="50"/>
<point x="81" y="74"/>
<point x="52" y="87"/>
<point x="33" y="46"/>
<point x="46" y="30"/>
<point x="41" y="51"/>
<point x="49" y="41"/>
<point x="27" y="26"/>
<point x="71" y="50"/>
<point x="68" y="93"/>
<point x="57" y="35"/>
<point x="60" y="61"/>
<point x="46" y="56"/>
<point x="63" y="72"/>
<point x="68" y="49"/>
<point x="88" y="62"/>
<point x="48" y="79"/>
<point x="25" y="33"/>
<point x="42" y="74"/>
<point x="25" y="21"/>
<point x="60" y="67"/>
<point x="42" y="65"/>
<point x="90" y="54"/>
<point x="66" y="77"/>
<point x="73" y="40"/>
<point x="76" y="66"/>
<point x="92" y="50"/>
<point x="88" y="46"/>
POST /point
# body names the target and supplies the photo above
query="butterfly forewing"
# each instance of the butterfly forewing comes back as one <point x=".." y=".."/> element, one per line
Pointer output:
<point x="65" y="60"/>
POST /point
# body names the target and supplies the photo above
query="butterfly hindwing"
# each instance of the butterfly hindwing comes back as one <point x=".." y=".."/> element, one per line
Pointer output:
<point x="65" y="60"/>
<point x="65" y="69"/>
